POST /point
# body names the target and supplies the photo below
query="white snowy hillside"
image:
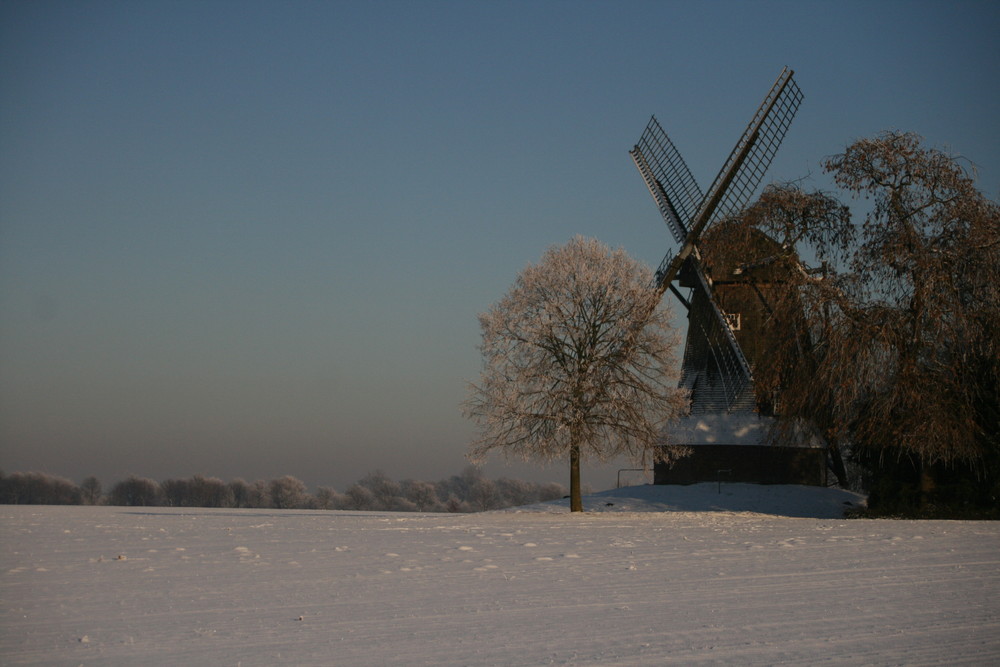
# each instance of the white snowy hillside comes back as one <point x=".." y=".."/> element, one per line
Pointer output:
<point x="704" y="582"/>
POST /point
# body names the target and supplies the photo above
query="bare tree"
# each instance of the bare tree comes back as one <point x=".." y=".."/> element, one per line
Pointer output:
<point x="928" y="270"/>
<point x="454" y="505"/>
<point x="91" y="491"/>
<point x="175" y="492"/>
<point x="240" y="492"/>
<point x="578" y="363"/>
<point x="258" y="494"/>
<point x="484" y="496"/>
<point x="892" y="344"/>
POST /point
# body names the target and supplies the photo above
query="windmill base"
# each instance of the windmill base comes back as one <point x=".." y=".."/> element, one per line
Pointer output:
<point x="754" y="464"/>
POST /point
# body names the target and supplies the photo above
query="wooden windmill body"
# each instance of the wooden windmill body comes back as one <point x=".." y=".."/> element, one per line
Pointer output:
<point x="728" y="323"/>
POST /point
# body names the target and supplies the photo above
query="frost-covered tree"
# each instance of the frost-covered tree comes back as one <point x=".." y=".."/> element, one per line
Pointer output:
<point x="579" y="363"/>
<point x="287" y="492"/>
<point x="551" y="491"/>
<point x="37" y="488"/>
<point x="421" y="494"/>
<point x="515" y="492"/>
<point x="385" y="491"/>
<point x="198" y="491"/>
<point x="136" y="491"/>
<point x="327" y="498"/>
<point x="358" y="497"/>
<point x="210" y="492"/>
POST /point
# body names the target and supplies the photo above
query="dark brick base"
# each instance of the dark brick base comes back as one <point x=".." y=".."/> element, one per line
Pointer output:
<point x="762" y="464"/>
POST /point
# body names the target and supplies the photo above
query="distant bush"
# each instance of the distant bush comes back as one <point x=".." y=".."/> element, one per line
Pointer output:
<point x="136" y="491"/>
<point x="469" y="491"/>
<point x="38" y="488"/>
<point x="288" y="493"/>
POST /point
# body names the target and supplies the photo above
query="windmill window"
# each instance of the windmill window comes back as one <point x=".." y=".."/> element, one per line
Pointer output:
<point x="733" y="320"/>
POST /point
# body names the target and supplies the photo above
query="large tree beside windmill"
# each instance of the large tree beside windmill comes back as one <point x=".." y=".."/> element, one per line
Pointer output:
<point x="899" y="354"/>
<point x="578" y="363"/>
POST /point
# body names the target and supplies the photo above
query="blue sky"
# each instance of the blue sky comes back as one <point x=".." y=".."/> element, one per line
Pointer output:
<point x="246" y="239"/>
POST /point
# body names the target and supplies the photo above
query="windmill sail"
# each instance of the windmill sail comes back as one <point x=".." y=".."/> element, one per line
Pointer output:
<point x="674" y="189"/>
<point x="741" y="174"/>
<point x="714" y="368"/>
<point x="739" y="177"/>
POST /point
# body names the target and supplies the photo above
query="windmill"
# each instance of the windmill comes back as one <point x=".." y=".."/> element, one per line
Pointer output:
<point x="725" y="419"/>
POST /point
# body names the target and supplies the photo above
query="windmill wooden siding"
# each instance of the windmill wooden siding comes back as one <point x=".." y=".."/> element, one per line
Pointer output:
<point x="729" y="437"/>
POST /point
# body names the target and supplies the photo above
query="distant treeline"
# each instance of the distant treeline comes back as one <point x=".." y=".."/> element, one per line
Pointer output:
<point x="469" y="491"/>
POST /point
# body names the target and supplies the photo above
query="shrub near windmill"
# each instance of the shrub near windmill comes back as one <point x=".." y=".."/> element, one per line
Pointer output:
<point x="728" y="318"/>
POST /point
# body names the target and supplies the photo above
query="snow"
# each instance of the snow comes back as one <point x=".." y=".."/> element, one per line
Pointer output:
<point x="777" y="499"/>
<point x="732" y="428"/>
<point x="737" y="428"/>
<point x="681" y="575"/>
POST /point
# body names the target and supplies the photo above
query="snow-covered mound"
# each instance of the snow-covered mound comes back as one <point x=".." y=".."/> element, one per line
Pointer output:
<point x="814" y="502"/>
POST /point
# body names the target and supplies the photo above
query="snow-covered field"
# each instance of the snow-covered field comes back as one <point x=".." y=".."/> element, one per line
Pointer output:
<point x="661" y="575"/>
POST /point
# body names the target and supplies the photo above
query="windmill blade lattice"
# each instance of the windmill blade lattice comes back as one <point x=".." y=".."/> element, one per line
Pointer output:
<point x="688" y="213"/>
<point x="738" y="179"/>
<point x="734" y="373"/>
<point x="743" y="171"/>
<point x="668" y="178"/>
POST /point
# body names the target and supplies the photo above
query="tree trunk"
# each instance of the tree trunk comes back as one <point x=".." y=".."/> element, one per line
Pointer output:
<point x="927" y="485"/>
<point x="837" y="461"/>
<point x="575" y="498"/>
